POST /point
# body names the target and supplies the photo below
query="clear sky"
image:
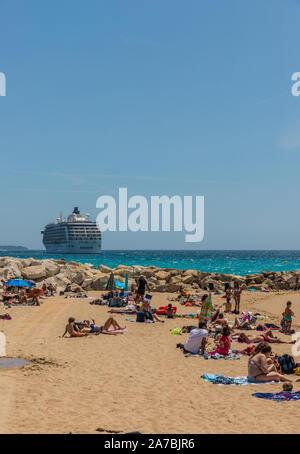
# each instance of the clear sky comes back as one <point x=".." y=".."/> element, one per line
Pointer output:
<point x="162" y="97"/>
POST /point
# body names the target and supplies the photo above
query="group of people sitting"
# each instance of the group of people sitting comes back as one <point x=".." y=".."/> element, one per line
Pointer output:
<point x="21" y="295"/>
<point x="262" y="366"/>
<point x="31" y="295"/>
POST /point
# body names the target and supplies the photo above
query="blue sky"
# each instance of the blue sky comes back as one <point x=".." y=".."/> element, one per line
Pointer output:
<point x="162" y="97"/>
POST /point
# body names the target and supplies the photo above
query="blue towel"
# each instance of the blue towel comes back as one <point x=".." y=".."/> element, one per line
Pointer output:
<point x="220" y="379"/>
<point x="279" y="397"/>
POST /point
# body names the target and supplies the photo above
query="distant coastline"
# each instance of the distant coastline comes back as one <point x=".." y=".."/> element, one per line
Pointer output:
<point x="13" y="248"/>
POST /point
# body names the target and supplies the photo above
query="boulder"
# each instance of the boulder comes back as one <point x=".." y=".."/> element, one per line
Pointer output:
<point x="87" y="284"/>
<point x="11" y="270"/>
<point x="162" y="275"/>
<point x="188" y="279"/>
<point x="34" y="272"/>
<point x="100" y="281"/>
<point x="60" y="281"/>
<point x="51" y="267"/>
<point x="167" y="287"/>
<point x="104" y="269"/>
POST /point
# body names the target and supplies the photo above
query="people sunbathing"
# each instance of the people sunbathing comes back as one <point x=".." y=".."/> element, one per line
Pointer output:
<point x="80" y="329"/>
<point x="267" y="337"/>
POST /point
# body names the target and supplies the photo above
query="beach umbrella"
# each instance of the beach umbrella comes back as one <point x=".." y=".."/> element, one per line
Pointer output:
<point x="119" y="284"/>
<point x="111" y="285"/>
<point x="18" y="283"/>
<point x="126" y="283"/>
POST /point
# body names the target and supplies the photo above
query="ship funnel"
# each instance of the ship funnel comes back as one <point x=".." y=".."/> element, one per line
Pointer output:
<point x="76" y="210"/>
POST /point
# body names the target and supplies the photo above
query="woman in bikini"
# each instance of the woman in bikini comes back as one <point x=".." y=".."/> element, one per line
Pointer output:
<point x="237" y="297"/>
<point x="267" y="337"/>
<point x="92" y="328"/>
<point x="261" y="367"/>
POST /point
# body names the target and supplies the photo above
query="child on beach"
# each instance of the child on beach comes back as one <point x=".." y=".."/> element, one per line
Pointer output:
<point x="288" y="314"/>
<point x="224" y="342"/>
<point x="170" y="312"/>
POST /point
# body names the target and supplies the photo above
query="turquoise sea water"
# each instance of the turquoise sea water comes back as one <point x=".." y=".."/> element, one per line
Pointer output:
<point x="229" y="262"/>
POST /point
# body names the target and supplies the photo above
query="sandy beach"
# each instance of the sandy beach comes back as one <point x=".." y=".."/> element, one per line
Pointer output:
<point x="135" y="381"/>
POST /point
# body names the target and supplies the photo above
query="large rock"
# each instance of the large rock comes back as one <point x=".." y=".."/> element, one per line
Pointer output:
<point x="61" y="281"/>
<point x="35" y="273"/>
<point x="104" y="269"/>
<point x="87" y="284"/>
<point x="100" y="282"/>
<point x="10" y="271"/>
<point x="188" y="279"/>
<point x="52" y="268"/>
<point x="162" y="275"/>
<point x="167" y="287"/>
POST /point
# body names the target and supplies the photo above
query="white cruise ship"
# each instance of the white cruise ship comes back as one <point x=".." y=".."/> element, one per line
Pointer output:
<point x="76" y="235"/>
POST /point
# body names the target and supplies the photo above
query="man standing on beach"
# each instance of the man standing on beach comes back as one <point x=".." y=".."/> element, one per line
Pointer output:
<point x="141" y="290"/>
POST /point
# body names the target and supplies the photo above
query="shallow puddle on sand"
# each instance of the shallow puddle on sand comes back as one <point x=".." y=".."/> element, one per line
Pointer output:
<point x="13" y="363"/>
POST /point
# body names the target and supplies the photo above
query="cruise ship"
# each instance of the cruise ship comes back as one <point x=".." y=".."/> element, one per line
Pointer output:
<point x="76" y="235"/>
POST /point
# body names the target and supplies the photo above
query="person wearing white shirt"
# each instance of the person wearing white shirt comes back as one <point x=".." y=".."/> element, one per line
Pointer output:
<point x="197" y="339"/>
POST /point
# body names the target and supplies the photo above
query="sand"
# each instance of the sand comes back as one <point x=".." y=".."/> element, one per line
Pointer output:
<point x="135" y="381"/>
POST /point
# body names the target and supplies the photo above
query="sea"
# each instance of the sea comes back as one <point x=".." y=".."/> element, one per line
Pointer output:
<point x="228" y="262"/>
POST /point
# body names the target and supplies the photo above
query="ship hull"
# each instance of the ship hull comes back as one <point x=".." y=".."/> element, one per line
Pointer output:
<point x="74" y="247"/>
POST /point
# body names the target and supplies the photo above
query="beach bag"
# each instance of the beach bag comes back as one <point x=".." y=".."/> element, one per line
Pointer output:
<point x="140" y="316"/>
<point x="287" y="364"/>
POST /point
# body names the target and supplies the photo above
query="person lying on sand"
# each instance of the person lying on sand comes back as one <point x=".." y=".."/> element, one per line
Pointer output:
<point x="261" y="368"/>
<point x="238" y="325"/>
<point x="73" y="330"/>
<point x="102" y="329"/>
<point x="267" y="337"/>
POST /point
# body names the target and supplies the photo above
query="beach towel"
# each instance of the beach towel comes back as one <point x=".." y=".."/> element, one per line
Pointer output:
<point x="279" y="397"/>
<point x="220" y="379"/>
<point x="5" y="317"/>
<point x="215" y="355"/>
